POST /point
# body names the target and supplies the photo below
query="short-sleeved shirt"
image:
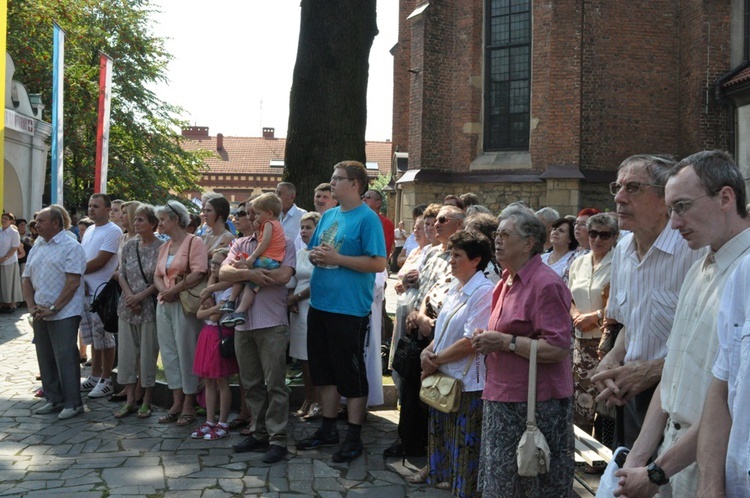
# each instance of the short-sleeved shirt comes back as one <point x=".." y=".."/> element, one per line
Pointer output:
<point x="643" y="293"/>
<point x="276" y="250"/>
<point x="269" y="308"/>
<point x="101" y="238"/>
<point x="9" y="238"/>
<point x="357" y="232"/>
<point x="733" y="367"/>
<point x="388" y="232"/>
<point x="587" y="284"/>
<point x="536" y="305"/>
<point x="130" y="269"/>
<point x="46" y="268"/>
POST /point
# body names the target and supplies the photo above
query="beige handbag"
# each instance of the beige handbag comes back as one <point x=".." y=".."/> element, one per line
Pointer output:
<point x="441" y="391"/>
<point x="533" y="452"/>
<point x="190" y="298"/>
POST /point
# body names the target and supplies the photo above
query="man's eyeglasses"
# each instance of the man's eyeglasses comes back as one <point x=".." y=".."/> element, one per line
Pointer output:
<point x="502" y="235"/>
<point x="680" y="207"/>
<point x="443" y="219"/>
<point x="336" y="179"/>
<point x="602" y="235"/>
<point x="631" y="188"/>
<point x="241" y="214"/>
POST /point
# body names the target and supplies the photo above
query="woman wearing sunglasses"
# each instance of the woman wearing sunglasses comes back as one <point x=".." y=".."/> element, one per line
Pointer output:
<point x="589" y="284"/>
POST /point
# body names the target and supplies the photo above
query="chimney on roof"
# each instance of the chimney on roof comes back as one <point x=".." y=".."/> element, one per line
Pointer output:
<point x="268" y="132"/>
<point x="219" y="142"/>
<point x="195" y="132"/>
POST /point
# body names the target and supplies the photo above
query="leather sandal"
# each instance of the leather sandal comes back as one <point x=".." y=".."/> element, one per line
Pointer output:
<point x="420" y="477"/>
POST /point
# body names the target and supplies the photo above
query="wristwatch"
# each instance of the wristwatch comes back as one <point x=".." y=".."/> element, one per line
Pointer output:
<point x="53" y="309"/>
<point x="656" y="474"/>
<point x="512" y="345"/>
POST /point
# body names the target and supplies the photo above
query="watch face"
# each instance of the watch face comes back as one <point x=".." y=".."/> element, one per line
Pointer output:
<point x="656" y="474"/>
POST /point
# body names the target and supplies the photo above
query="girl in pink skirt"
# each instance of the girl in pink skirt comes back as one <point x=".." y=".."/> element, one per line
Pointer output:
<point x="209" y="363"/>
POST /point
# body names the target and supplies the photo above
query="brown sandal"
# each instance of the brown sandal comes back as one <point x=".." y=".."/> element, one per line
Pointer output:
<point x="185" y="419"/>
<point x="169" y="418"/>
<point x="238" y="422"/>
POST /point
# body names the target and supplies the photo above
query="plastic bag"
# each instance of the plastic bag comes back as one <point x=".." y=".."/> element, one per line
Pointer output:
<point x="608" y="482"/>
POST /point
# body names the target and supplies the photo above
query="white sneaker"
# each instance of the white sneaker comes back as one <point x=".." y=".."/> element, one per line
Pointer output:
<point x="69" y="413"/>
<point x="89" y="383"/>
<point x="103" y="388"/>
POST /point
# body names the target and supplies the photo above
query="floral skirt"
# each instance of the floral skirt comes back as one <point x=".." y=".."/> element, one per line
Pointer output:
<point x="502" y="427"/>
<point x="453" y="445"/>
<point x="585" y="360"/>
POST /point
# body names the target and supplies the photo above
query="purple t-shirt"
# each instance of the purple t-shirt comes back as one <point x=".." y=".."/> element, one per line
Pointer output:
<point x="537" y="305"/>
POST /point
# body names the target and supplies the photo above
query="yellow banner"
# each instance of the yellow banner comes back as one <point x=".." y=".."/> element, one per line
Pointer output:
<point x="3" y="43"/>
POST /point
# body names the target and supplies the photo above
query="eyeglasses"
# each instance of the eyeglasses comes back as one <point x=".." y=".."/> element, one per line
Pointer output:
<point x="375" y="198"/>
<point x="336" y="179"/>
<point x="443" y="219"/>
<point x="502" y="235"/>
<point x="631" y="188"/>
<point x="241" y="214"/>
<point x="602" y="235"/>
<point x="680" y="207"/>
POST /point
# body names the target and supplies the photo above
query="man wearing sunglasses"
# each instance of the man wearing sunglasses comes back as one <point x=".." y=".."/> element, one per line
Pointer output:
<point x="648" y="268"/>
<point x="705" y="196"/>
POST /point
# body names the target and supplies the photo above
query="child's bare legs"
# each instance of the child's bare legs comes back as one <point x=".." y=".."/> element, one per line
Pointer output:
<point x="225" y="399"/>
<point x="248" y="298"/>
<point x="211" y="400"/>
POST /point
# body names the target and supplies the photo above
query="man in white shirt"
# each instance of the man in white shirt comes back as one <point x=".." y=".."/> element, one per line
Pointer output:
<point x="54" y="295"/>
<point x="648" y="268"/>
<point x="291" y="215"/>
<point x="101" y="243"/>
<point x="706" y="196"/>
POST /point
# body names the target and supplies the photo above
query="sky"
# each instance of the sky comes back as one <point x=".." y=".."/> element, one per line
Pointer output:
<point x="234" y="59"/>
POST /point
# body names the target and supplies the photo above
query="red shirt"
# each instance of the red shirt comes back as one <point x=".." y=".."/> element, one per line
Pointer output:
<point x="537" y="305"/>
<point x="388" y="230"/>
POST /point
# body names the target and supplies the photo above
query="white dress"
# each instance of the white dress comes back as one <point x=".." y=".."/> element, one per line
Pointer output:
<point x="298" y="321"/>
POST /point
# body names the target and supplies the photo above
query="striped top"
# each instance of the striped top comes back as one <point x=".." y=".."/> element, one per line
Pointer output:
<point x="643" y="293"/>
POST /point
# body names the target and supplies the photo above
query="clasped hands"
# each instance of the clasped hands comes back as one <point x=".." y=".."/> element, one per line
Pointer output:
<point x="324" y="254"/>
<point x="617" y="384"/>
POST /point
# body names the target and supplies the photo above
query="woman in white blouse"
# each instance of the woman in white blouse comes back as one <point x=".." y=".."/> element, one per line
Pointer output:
<point x="564" y="245"/>
<point x="589" y="284"/>
<point x="454" y="438"/>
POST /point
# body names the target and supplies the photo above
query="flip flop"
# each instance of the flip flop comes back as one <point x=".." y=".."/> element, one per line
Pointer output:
<point x="144" y="411"/>
<point x="125" y="410"/>
<point x="169" y="418"/>
<point x="185" y="419"/>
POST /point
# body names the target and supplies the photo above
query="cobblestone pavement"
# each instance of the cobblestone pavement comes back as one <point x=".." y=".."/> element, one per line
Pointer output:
<point x="95" y="455"/>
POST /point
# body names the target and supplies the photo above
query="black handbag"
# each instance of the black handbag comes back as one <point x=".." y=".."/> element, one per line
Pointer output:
<point x="105" y="303"/>
<point x="226" y="345"/>
<point x="406" y="361"/>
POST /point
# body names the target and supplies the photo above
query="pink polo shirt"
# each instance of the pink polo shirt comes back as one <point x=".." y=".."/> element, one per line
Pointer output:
<point x="537" y="305"/>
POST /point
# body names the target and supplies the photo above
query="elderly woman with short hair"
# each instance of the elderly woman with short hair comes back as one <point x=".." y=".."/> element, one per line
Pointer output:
<point x="531" y="302"/>
<point x="182" y="264"/>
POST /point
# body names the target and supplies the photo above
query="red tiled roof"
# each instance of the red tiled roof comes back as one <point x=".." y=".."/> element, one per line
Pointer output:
<point x="743" y="75"/>
<point x="253" y="155"/>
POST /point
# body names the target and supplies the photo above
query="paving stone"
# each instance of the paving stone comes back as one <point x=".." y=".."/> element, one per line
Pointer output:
<point x="187" y="483"/>
<point x="384" y="475"/>
<point x="126" y="476"/>
<point x="219" y="473"/>
<point x="215" y="493"/>
<point x="301" y="487"/>
<point x="300" y="472"/>
<point x="183" y="494"/>
<point x="42" y="476"/>
<point x="232" y="485"/>
<point x="327" y="484"/>
<point x="321" y="469"/>
<point x="254" y="481"/>
<point x="329" y="494"/>
<point x="382" y="492"/>
<point x="142" y="461"/>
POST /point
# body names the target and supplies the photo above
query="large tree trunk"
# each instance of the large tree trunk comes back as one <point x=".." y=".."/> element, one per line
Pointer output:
<point x="328" y="102"/>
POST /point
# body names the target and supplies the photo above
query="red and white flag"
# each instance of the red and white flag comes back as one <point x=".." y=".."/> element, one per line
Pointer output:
<point x="102" y="128"/>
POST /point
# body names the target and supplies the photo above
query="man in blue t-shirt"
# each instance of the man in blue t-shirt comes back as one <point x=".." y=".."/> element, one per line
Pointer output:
<point x="347" y="249"/>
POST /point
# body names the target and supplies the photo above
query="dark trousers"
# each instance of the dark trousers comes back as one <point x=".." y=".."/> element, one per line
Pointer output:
<point x="412" y="422"/>
<point x="631" y="416"/>
<point x="56" y="343"/>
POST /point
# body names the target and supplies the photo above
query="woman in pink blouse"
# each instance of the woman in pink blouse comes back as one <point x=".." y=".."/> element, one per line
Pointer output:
<point x="530" y="302"/>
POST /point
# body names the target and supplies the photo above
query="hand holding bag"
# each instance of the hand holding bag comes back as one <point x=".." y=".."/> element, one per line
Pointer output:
<point x="532" y="454"/>
<point x="190" y="298"/>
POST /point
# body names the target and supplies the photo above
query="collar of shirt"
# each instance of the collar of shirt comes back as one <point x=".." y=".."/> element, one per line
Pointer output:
<point x="729" y="252"/>
<point x="666" y="242"/>
<point x="528" y="270"/>
<point x="475" y="282"/>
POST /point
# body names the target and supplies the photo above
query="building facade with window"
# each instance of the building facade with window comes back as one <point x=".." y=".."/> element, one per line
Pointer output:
<point x="540" y="101"/>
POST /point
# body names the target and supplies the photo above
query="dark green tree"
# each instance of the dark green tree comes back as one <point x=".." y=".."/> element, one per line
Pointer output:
<point x="146" y="161"/>
<point x="328" y="102"/>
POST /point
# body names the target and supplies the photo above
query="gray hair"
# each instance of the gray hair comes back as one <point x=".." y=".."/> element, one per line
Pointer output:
<point x="605" y="219"/>
<point x="513" y="206"/>
<point x="657" y="166"/>
<point x="455" y="212"/>
<point x="547" y="214"/>
<point x="175" y="211"/>
<point x="527" y="225"/>
<point x="147" y="210"/>
<point x="477" y="209"/>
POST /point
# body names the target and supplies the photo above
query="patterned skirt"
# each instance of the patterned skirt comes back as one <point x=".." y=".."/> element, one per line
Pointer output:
<point x="453" y="445"/>
<point x="585" y="360"/>
<point x="502" y="427"/>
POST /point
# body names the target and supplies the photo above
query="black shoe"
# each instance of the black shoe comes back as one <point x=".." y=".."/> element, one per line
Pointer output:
<point x="318" y="440"/>
<point x="250" y="444"/>
<point x="275" y="454"/>
<point x="348" y="452"/>
<point x="394" y="451"/>
<point x="118" y="398"/>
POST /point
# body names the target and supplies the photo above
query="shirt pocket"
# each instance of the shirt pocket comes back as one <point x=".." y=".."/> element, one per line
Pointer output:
<point x="663" y="305"/>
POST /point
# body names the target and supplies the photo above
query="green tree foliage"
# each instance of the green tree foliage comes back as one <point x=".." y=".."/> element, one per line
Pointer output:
<point x="146" y="161"/>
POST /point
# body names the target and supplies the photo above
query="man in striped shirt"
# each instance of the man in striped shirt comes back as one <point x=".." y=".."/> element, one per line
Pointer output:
<point x="648" y="268"/>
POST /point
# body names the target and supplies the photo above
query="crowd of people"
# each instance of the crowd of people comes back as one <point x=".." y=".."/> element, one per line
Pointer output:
<point x="635" y="340"/>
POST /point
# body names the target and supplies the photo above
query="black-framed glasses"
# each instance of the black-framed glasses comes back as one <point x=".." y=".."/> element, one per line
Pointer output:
<point x="241" y="214"/>
<point x="336" y="179"/>
<point x="631" y="188"/>
<point x="680" y="207"/>
<point x="502" y="235"/>
<point x="602" y="235"/>
<point x="443" y="219"/>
